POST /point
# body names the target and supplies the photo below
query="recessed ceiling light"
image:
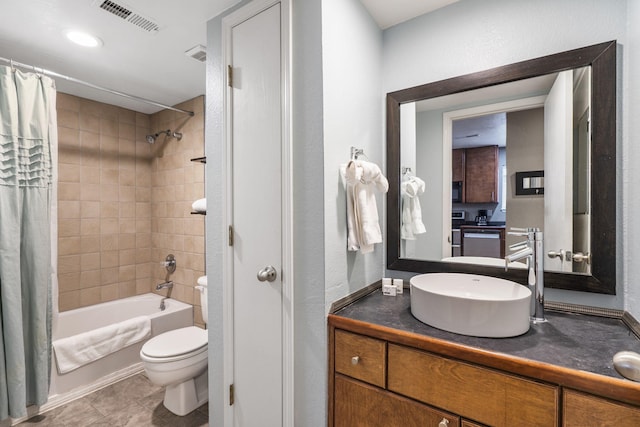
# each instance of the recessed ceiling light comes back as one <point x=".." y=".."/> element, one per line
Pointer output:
<point x="83" y="39"/>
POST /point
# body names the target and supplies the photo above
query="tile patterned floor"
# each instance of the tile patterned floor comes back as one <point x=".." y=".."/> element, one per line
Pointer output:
<point x="132" y="402"/>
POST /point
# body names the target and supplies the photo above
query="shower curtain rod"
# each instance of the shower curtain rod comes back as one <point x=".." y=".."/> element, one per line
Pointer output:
<point x="91" y="85"/>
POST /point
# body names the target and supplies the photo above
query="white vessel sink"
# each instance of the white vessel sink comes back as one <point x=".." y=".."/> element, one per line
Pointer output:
<point x="470" y="304"/>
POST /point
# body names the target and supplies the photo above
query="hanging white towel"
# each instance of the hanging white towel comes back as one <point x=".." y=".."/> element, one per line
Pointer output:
<point x="412" y="224"/>
<point x="199" y="205"/>
<point x="362" y="180"/>
<point x="78" y="350"/>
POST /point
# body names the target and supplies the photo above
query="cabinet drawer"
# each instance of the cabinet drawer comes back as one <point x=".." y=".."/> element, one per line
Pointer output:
<point x="359" y="404"/>
<point x="585" y="410"/>
<point x="361" y="357"/>
<point x="472" y="392"/>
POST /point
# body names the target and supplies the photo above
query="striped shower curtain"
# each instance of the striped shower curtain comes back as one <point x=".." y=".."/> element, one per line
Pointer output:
<point x="28" y="155"/>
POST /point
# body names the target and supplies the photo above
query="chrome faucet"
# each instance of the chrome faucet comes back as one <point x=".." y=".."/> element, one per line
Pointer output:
<point x="532" y="250"/>
<point x="163" y="285"/>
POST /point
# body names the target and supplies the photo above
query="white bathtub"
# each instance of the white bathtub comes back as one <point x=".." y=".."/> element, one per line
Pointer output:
<point x="124" y="362"/>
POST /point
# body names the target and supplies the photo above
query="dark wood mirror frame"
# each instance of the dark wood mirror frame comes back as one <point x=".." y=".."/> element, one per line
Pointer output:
<point x="602" y="59"/>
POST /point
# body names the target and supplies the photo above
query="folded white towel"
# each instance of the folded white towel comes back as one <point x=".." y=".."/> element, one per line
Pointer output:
<point x="199" y="205"/>
<point x="202" y="280"/>
<point x="78" y="350"/>
<point x="411" y="188"/>
<point x="362" y="179"/>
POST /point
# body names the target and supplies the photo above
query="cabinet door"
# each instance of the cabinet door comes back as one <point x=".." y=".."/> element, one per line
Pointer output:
<point x="457" y="167"/>
<point x="361" y="357"/>
<point x="361" y="405"/>
<point x="584" y="410"/>
<point x="481" y="174"/>
<point x="470" y="391"/>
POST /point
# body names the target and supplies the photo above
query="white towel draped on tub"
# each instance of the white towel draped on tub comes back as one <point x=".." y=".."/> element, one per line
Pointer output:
<point x="78" y="350"/>
<point x="362" y="179"/>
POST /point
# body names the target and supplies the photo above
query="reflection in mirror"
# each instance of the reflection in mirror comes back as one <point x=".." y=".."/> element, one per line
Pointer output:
<point x="526" y="144"/>
<point x="500" y="152"/>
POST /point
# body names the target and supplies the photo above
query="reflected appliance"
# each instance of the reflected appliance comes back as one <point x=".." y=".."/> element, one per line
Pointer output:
<point x="456" y="192"/>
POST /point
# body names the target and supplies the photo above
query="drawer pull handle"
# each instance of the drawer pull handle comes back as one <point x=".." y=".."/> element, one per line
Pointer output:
<point x="443" y="423"/>
<point x="355" y="360"/>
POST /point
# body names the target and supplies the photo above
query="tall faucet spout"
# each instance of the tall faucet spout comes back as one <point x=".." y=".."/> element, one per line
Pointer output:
<point x="534" y="251"/>
<point x="163" y="285"/>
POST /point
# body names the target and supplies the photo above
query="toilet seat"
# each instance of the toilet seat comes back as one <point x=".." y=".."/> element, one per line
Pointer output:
<point x="175" y="345"/>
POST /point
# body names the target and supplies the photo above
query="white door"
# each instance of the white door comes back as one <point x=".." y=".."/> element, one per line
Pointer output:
<point x="256" y="193"/>
<point x="558" y="158"/>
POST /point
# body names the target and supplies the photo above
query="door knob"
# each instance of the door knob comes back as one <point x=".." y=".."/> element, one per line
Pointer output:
<point x="562" y="254"/>
<point x="580" y="257"/>
<point x="268" y="274"/>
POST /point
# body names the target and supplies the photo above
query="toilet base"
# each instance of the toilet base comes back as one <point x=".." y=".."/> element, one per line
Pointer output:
<point x="187" y="396"/>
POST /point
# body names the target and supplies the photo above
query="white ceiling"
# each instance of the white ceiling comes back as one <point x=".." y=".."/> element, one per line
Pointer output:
<point x="132" y="60"/>
<point x="148" y="65"/>
<point x="388" y="13"/>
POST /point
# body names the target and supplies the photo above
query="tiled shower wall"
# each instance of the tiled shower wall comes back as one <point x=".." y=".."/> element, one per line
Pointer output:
<point x="107" y="248"/>
<point x="176" y="182"/>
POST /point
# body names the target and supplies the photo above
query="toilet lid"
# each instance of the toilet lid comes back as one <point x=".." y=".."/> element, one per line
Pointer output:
<point x="176" y="342"/>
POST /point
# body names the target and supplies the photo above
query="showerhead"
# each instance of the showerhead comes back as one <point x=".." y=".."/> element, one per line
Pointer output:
<point x="152" y="138"/>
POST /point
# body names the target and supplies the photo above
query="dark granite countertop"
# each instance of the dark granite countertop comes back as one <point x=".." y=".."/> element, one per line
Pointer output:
<point x="574" y="341"/>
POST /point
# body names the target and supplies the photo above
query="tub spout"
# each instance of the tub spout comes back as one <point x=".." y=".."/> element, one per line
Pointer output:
<point x="163" y="285"/>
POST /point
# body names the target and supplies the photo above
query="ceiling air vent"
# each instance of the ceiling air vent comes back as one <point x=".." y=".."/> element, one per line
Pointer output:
<point x="198" y="52"/>
<point x="126" y="13"/>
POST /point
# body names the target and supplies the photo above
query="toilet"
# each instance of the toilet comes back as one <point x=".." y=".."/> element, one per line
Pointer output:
<point x="177" y="359"/>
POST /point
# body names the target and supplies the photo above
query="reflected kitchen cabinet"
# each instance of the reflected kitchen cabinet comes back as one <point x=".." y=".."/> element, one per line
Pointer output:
<point x="481" y="174"/>
<point x="457" y="169"/>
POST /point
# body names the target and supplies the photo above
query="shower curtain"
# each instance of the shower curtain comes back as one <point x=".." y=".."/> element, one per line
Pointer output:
<point x="28" y="159"/>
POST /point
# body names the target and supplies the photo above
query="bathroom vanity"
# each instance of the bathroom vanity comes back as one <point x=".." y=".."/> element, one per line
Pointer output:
<point x="388" y="369"/>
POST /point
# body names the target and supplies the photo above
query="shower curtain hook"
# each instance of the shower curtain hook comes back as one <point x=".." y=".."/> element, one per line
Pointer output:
<point x="13" y="67"/>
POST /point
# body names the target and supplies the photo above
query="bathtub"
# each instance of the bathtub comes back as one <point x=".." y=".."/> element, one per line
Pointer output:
<point x="124" y="362"/>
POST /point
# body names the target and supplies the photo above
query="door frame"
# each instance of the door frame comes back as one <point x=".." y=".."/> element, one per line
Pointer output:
<point x="447" y="145"/>
<point x="237" y="17"/>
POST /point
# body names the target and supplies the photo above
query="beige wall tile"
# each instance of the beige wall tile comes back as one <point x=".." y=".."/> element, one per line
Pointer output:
<point x="69" y="246"/>
<point x="68" y="191"/>
<point x="122" y="208"/>
<point x="69" y="300"/>
<point x="89" y="296"/>
<point x="69" y="172"/>
<point x="90" y="261"/>
<point x="90" y="279"/>
<point x="127" y="241"/>
<point x="69" y="282"/>
<point x="67" y="102"/>
<point x="109" y="292"/>
<point x="90" y="226"/>
<point x="68" y="209"/>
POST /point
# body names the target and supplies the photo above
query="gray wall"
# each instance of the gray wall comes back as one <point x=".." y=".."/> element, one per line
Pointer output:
<point x="353" y="116"/>
<point x="525" y="152"/>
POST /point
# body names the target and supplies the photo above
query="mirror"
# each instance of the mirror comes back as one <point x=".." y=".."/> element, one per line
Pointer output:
<point x="500" y="144"/>
<point x="598" y="64"/>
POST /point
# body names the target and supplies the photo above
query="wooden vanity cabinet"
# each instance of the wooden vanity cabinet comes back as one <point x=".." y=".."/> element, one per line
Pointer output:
<point x="481" y="174"/>
<point x="358" y="404"/>
<point x="376" y="382"/>
<point x="581" y="409"/>
<point x="474" y="392"/>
